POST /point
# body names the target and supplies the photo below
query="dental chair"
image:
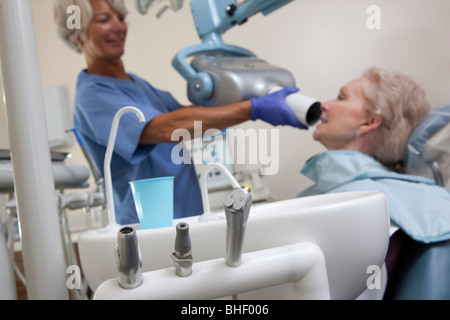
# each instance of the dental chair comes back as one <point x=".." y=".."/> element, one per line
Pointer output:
<point x="422" y="271"/>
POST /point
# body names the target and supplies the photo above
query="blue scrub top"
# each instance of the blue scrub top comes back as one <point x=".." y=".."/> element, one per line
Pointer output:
<point x="416" y="204"/>
<point x="97" y="100"/>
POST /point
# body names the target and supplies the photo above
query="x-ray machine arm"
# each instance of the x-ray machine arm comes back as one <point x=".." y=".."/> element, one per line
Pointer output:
<point x="212" y="19"/>
<point x="221" y="73"/>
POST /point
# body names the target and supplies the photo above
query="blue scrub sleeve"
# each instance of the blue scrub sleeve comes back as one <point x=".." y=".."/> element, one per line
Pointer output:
<point x="100" y="104"/>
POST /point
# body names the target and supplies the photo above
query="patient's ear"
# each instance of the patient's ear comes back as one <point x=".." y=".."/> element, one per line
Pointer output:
<point x="372" y="123"/>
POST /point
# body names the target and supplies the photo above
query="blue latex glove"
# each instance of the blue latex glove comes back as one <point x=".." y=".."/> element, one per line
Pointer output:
<point x="272" y="108"/>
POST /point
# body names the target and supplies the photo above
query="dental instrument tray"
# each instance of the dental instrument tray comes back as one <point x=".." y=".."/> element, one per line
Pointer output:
<point x="55" y="156"/>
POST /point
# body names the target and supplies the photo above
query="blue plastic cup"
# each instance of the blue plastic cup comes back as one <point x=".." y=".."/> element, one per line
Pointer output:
<point x="153" y="199"/>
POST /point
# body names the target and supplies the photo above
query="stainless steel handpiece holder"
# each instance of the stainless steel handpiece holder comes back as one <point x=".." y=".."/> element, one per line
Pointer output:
<point x="182" y="257"/>
<point x="128" y="259"/>
<point x="237" y="208"/>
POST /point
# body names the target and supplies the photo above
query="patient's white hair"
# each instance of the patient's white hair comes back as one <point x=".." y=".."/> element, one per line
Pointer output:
<point x="402" y="104"/>
<point x="70" y="36"/>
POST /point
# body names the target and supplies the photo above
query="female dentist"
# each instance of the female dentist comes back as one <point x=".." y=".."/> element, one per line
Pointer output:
<point x="142" y="150"/>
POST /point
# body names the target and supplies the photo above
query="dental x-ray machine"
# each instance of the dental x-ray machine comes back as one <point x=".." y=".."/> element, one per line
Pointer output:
<point x="220" y="73"/>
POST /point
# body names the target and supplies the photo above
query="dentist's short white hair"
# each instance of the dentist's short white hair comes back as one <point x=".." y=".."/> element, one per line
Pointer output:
<point x="70" y="36"/>
<point x="402" y="104"/>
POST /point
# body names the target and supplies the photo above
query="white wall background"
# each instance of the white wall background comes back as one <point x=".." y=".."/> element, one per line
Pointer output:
<point x="324" y="43"/>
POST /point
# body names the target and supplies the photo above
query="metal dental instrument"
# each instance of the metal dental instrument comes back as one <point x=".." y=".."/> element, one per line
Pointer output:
<point x="237" y="209"/>
<point x="128" y="259"/>
<point x="182" y="257"/>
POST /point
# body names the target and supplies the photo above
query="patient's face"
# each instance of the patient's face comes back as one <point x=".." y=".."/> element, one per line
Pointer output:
<point x="342" y="116"/>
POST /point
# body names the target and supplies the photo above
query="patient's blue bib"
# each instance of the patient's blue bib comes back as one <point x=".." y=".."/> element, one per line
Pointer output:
<point x="416" y="204"/>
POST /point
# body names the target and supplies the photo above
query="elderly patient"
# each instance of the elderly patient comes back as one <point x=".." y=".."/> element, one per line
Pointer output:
<point x="366" y="131"/>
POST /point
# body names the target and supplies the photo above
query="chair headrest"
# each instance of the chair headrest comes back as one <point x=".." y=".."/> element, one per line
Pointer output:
<point x="429" y="143"/>
<point x="432" y="123"/>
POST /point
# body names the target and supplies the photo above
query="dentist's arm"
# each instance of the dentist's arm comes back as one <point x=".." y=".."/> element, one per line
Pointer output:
<point x="160" y="129"/>
<point x="270" y="108"/>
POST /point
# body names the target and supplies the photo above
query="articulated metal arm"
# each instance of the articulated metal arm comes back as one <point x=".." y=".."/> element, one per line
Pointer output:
<point x="213" y="18"/>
